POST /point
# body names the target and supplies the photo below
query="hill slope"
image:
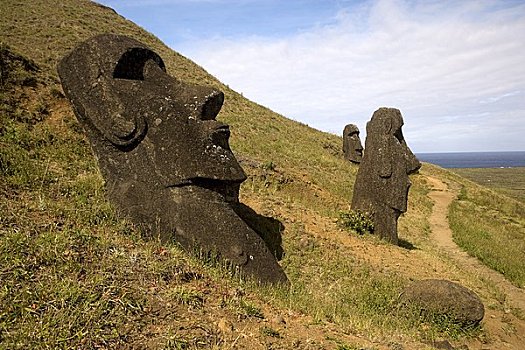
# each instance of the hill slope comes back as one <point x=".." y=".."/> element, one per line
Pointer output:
<point x="73" y="274"/>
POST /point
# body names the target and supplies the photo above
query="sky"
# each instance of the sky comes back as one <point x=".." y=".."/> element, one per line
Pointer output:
<point x="455" y="68"/>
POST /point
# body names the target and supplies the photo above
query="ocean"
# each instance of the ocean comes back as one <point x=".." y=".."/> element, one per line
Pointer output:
<point x="475" y="159"/>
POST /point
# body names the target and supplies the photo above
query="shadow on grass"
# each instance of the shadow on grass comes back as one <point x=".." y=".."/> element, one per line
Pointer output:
<point x="406" y="244"/>
<point x="268" y="228"/>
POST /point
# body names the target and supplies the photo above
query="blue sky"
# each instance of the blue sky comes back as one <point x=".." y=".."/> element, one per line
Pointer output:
<point x="454" y="68"/>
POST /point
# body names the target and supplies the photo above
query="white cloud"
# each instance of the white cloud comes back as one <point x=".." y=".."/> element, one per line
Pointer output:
<point x="433" y="60"/>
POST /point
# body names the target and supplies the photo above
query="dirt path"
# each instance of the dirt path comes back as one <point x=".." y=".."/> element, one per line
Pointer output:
<point x="441" y="233"/>
<point x="507" y="331"/>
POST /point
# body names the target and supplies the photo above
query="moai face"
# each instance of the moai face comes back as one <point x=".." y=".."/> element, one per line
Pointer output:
<point x="165" y="159"/>
<point x="352" y="147"/>
<point x="139" y="115"/>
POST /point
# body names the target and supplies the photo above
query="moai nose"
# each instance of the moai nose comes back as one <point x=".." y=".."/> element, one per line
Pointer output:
<point x="211" y="105"/>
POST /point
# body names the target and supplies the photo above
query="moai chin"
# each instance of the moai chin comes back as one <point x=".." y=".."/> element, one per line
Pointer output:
<point x="165" y="159"/>
<point x="352" y="147"/>
<point x="382" y="182"/>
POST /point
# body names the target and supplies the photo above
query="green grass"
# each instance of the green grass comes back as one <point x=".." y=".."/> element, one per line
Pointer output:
<point x="75" y="275"/>
<point x="270" y="332"/>
<point x="486" y="222"/>
<point x="333" y="286"/>
<point x="188" y="297"/>
<point x="509" y="181"/>
<point x="493" y="233"/>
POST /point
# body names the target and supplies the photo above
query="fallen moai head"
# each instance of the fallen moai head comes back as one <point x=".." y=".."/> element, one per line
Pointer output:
<point x="352" y="147"/>
<point x="166" y="160"/>
<point x="382" y="183"/>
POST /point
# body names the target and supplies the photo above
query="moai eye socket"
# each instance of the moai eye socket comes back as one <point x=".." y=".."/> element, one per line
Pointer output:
<point x="131" y="64"/>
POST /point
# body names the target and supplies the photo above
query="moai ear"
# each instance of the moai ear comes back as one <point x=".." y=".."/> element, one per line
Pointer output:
<point x="126" y="134"/>
<point x="90" y="85"/>
<point x="121" y="130"/>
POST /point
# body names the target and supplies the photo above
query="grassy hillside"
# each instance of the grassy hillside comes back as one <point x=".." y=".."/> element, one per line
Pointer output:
<point x="509" y="181"/>
<point x="75" y="275"/>
<point x="491" y="226"/>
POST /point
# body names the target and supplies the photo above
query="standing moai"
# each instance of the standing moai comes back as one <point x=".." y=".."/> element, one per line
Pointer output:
<point x="352" y="147"/>
<point x="382" y="183"/>
<point x="166" y="161"/>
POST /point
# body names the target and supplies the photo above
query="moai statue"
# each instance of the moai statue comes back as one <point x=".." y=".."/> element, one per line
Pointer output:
<point x="352" y="147"/>
<point x="382" y="183"/>
<point x="165" y="159"/>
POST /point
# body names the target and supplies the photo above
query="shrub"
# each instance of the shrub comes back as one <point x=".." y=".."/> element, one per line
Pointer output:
<point x="355" y="220"/>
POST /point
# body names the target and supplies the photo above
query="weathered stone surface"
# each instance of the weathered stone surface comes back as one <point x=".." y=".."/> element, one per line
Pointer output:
<point x="166" y="160"/>
<point x="352" y="147"/>
<point x="382" y="183"/>
<point x="441" y="297"/>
